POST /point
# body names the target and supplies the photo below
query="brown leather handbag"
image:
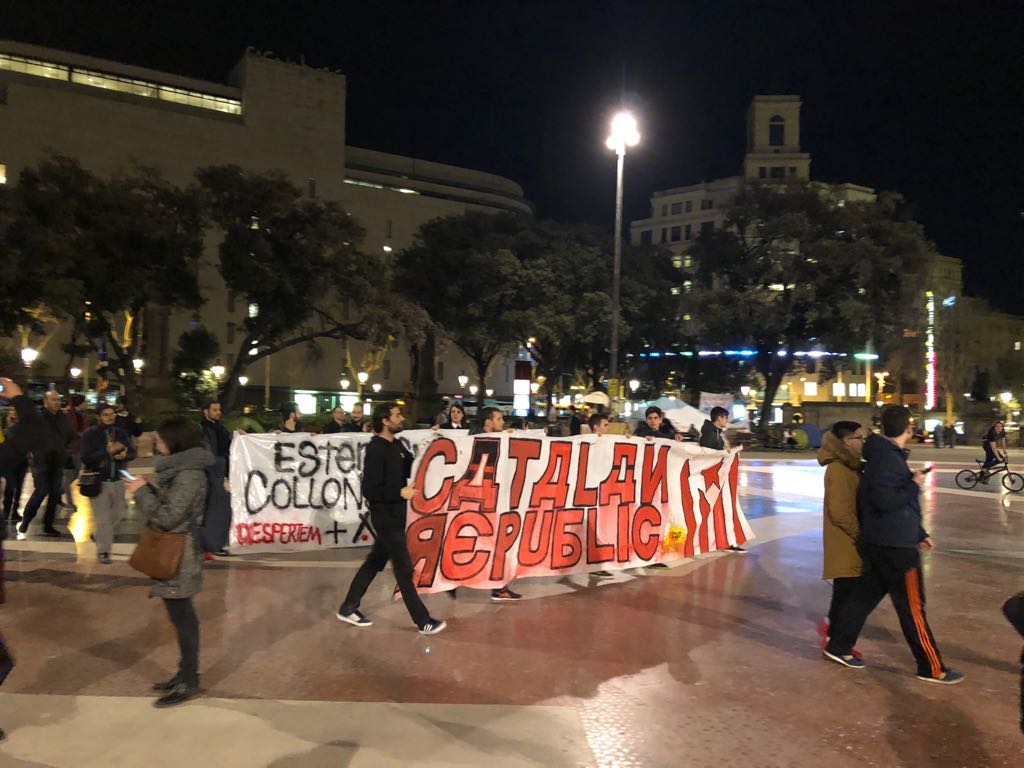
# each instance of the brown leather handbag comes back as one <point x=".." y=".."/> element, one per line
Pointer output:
<point x="158" y="554"/>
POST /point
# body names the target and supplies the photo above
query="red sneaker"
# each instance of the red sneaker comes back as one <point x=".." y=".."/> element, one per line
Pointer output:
<point x="823" y="632"/>
<point x="208" y="556"/>
<point x="857" y="654"/>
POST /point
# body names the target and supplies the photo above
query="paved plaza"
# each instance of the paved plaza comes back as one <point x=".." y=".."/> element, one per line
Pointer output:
<point x="713" y="662"/>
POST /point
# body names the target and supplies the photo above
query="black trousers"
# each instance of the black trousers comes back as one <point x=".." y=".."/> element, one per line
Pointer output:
<point x="186" y="625"/>
<point x="842" y="588"/>
<point x="49" y="483"/>
<point x="389" y="524"/>
<point x="893" y="571"/>
<point x="13" y="482"/>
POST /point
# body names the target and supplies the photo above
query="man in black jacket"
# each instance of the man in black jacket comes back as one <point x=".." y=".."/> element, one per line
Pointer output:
<point x="217" y="520"/>
<point x="891" y="540"/>
<point x="656" y="425"/>
<point x="386" y="468"/>
<point x="106" y="450"/>
<point x="713" y="427"/>
<point x="48" y="467"/>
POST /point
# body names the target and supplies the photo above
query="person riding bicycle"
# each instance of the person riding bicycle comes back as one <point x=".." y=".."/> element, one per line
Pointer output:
<point x="994" y="443"/>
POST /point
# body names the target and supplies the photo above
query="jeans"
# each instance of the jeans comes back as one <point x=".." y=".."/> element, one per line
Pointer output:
<point x="13" y="483"/>
<point x="389" y="523"/>
<point x="107" y="509"/>
<point x="990" y="457"/>
<point x="186" y="625"/>
<point x="48" y="481"/>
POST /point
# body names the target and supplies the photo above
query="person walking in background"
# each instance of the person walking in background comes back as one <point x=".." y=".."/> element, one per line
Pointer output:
<point x="575" y="424"/>
<point x="217" y="519"/>
<point x="337" y="422"/>
<point x="173" y="503"/>
<point x="106" y="450"/>
<point x="386" y="468"/>
<point x="48" y="467"/>
<point x="939" y="435"/>
<point x="950" y="436"/>
<point x="14" y="471"/>
<point x="891" y="541"/>
<point x="840" y="454"/>
<point x="125" y="420"/>
<point x="78" y="424"/>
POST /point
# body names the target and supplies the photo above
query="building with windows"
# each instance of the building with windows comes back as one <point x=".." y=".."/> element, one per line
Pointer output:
<point x="269" y="114"/>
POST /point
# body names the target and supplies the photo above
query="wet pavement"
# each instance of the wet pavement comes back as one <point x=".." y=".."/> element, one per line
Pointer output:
<point x="713" y="662"/>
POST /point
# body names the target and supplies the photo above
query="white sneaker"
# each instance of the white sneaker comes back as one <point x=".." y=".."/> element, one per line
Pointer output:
<point x="432" y="627"/>
<point x="19" y="535"/>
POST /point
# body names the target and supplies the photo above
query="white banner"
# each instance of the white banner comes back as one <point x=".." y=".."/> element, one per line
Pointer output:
<point x="709" y="400"/>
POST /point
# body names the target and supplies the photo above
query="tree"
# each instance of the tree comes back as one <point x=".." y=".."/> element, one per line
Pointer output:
<point x="792" y="268"/>
<point x="197" y="351"/>
<point x="99" y="252"/>
<point x="960" y="354"/>
<point x="476" y="275"/>
<point x="295" y="262"/>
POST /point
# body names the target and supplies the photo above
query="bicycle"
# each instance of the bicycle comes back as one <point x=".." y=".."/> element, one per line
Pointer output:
<point x="968" y="478"/>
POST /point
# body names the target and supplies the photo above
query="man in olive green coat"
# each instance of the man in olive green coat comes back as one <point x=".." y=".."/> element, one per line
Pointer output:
<point x="840" y="453"/>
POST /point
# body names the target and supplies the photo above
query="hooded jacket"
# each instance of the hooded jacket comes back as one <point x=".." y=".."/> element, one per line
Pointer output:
<point x="887" y="499"/>
<point x="840" y="526"/>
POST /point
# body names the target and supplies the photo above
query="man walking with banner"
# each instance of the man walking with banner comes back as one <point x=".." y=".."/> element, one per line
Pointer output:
<point x="386" y="469"/>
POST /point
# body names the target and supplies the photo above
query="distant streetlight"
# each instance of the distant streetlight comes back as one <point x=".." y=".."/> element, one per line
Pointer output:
<point x="474" y="389"/>
<point x="463" y="380"/>
<point x="1006" y="396"/>
<point x="376" y="387"/>
<point x="363" y="376"/>
<point x="344" y="383"/>
<point x="634" y="385"/>
<point x="745" y="391"/>
<point x="29" y="355"/>
<point x="217" y="370"/>
<point x="243" y="380"/>
<point x="137" y="364"/>
<point x="489" y="392"/>
<point x="534" y="386"/>
<point x="624" y="133"/>
<point x="75" y="372"/>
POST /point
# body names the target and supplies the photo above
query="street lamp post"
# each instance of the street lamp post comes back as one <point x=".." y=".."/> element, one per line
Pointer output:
<point x="624" y="134"/>
<point x="362" y="377"/>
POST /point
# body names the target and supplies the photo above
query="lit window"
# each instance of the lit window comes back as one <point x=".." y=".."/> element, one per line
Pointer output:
<point x="677" y="262"/>
<point x="3" y="173"/>
<point x="33" y="67"/>
<point x="776" y="287"/>
<point x="687" y="259"/>
<point x="687" y="286"/>
<point x="810" y="389"/>
<point x="254" y="310"/>
<point x="675" y="290"/>
<point x="687" y="317"/>
<point x="1016" y="346"/>
<point x="853" y="390"/>
<point x="838" y="389"/>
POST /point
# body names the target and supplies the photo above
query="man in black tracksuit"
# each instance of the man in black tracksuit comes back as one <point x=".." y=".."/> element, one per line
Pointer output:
<point x="890" y="543"/>
<point x="386" y="468"/>
<point x="48" y="467"/>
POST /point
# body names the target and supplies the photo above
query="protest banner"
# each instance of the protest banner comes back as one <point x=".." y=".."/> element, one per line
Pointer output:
<point x="495" y="507"/>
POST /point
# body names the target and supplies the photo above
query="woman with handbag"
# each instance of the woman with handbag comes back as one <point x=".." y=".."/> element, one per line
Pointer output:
<point x="169" y="547"/>
<point x="105" y="452"/>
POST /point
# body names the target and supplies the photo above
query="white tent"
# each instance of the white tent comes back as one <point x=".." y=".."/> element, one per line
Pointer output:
<point x="683" y="416"/>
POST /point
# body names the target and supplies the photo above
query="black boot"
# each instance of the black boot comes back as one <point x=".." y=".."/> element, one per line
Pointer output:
<point x="168" y="685"/>
<point x="181" y="693"/>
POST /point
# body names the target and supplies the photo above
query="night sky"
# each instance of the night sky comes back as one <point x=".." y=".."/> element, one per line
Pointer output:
<point x="924" y="99"/>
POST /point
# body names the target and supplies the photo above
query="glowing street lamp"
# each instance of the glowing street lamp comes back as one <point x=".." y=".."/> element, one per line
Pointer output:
<point x="534" y="386"/>
<point x="344" y="383"/>
<point x="624" y="133"/>
<point x="376" y="387"/>
<point x="137" y="364"/>
<point x="29" y="355"/>
<point x="1006" y="396"/>
<point x="463" y="380"/>
<point x="474" y="389"/>
<point x="489" y="392"/>
<point x="217" y="370"/>
<point x="75" y="372"/>
<point x="243" y="380"/>
<point x="363" y="377"/>
<point x="745" y="391"/>
<point x="634" y="385"/>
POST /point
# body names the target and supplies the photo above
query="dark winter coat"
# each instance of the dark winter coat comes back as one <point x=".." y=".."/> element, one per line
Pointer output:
<point x="174" y="503"/>
<point x="665" y="430"/>
<point x="887" y="499"/>
<point x="840" y="527"/>
<point x="58" y="438"/>
<point x="94" y="451"/>
<point x="711" y="436"/>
